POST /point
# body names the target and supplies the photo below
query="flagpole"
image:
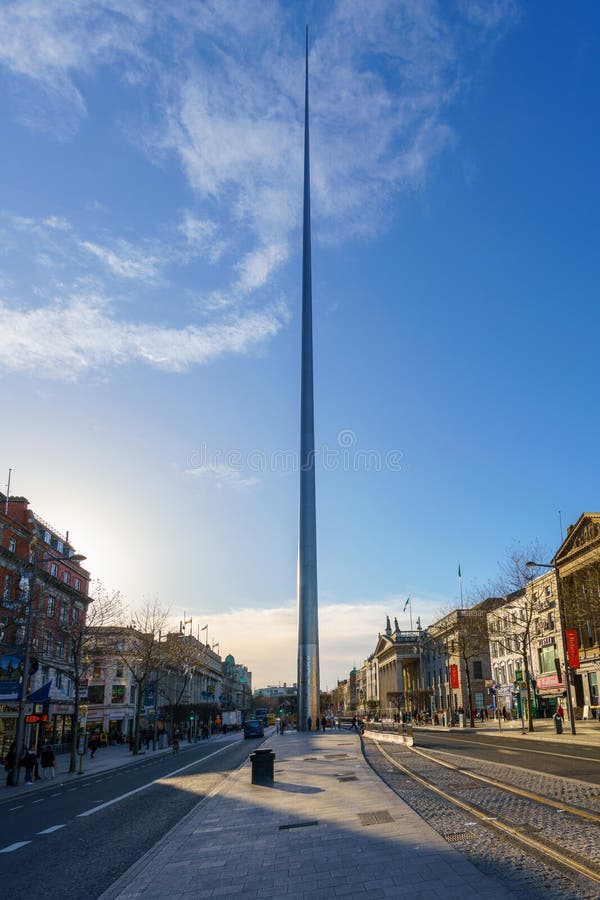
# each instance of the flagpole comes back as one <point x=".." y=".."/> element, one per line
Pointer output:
<point x="460" y="586"/>
<point x="410" y="608"/>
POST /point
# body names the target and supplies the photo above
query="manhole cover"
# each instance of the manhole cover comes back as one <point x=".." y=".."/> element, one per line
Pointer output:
<point x="375" y="818"/>
<point x="455" y="836"/>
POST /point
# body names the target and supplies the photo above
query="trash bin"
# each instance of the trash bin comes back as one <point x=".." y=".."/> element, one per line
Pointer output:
<point x="558" y="723"/>
<point x="263" y="762"/>
<point x="461" y="720"/>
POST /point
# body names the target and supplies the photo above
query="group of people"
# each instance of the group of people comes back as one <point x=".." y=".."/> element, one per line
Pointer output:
<point x="29" y="762"/>
<point x="320" y="723"/>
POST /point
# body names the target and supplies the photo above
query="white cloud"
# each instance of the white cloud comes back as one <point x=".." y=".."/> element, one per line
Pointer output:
<point x="223" y="476"/>
<point x="80" y="333"/>
<point x="126" y="261"/>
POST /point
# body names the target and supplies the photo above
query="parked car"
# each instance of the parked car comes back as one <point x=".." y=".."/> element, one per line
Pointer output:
<point x="253" y="728"/>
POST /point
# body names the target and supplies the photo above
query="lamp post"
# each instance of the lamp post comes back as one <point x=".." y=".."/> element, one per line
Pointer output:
<point x="561" y="625"/>
<point x="29" y="589"/>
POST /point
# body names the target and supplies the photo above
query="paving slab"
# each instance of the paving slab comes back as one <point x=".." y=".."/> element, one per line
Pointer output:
<point x="311" y="834"/>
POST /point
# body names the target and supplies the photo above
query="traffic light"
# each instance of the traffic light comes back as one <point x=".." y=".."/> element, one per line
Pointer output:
<point x="191" y="717"/>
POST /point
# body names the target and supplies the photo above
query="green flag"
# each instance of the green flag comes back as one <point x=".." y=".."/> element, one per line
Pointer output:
<point x="459" y="575"/>
<point x="406" y="604"/>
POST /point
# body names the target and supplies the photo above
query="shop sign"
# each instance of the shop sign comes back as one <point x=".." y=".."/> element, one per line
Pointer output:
<point x="545" y="682"/>
<point x="572" y="639"/>
<point x="545" y="642"/>
<point x="518" y="675"/>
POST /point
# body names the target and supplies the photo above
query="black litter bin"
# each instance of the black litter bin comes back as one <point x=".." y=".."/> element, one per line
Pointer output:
<point x="263" y="762"/>
<point x="558" y="724"/>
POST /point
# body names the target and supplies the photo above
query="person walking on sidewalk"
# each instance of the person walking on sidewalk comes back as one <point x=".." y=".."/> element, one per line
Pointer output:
<point x="29" y="761"/>
<point x="48" y="759"/>
<point x="309" y="722"/>
<point x="10" y="764"/>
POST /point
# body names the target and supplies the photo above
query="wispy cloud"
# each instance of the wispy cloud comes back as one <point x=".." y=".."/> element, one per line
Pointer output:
<point x="383" y="78"/>
<point x="223" y="476"/>
<point x="81" y="333"/>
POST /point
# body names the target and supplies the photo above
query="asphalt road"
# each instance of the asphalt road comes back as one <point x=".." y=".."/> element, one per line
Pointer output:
<point x="73" y="841"/>
<point x="554" y="758"/>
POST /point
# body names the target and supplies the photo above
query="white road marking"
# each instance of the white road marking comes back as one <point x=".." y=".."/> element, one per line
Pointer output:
<point x="56" y="795"/>
<point x="96" y="809"/>
<point x="51" y="829"/>
<point x="37" y="801"/>
<point x="16" y="846"/>
<point x="16" y="807"/>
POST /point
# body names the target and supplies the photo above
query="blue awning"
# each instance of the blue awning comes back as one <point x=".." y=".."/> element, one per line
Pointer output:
<point x="42" y="694"/>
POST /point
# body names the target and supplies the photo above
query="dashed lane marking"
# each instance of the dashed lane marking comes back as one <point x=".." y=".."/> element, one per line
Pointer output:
<point x="16" y="846"/>
<point x="37" y="801"/>
<point x="196" y="762"/>
<point x="15" y="807"/>
<point x="51" y="829"/>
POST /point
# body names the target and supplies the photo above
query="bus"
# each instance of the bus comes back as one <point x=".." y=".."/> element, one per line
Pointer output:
<point x="261" y="713"/>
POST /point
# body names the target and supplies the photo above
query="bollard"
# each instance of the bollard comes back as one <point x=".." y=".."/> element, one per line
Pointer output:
<point x="263" y="762"/>
<point x="558" y="724"/>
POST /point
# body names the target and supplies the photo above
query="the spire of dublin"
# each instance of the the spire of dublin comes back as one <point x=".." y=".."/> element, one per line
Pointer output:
<point x="308" y="612"/>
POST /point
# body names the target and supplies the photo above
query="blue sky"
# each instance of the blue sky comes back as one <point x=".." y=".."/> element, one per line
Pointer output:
<point x="150" y="289"/>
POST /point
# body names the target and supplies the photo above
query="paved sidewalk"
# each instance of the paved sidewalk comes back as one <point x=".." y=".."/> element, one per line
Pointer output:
<point x="587" y="732"/>
<point x="104" y="759"/>
<point x="328" y="827"/>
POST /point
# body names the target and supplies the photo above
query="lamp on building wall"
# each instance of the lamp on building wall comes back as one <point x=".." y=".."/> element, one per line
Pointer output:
<point x="561" y="625"/>
<point x="27" y="587"/>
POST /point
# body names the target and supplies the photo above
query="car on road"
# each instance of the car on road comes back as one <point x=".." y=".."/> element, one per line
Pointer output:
<point x="253" y="728"/>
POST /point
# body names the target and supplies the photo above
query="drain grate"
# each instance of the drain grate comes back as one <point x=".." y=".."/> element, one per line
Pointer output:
<point x="297" y="825"/>
<point x="375" y="818"/>
<point x="455" y="836"/>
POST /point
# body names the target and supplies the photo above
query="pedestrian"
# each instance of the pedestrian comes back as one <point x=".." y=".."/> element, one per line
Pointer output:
<point x="29" y="761"/>
<point x="10" y="764"/>
<point x="482" y="715"/>
<point x="323" y="723"/>
<point x="48" y="760"/>
<point x="560" y="711"/>
<point x="309" y="722"/>
<point x="353" y="726"/>
<point x="94" y="744"/>
<point x="282" y="726"/>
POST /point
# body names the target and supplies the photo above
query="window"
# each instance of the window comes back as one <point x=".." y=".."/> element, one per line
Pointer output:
<point x="95" y="693"/>
<point x="54" y="569"/>
<point x="58" y="680"/>
<point x="97" y="672"/>
<point x="47" y="645"/>
<point x="78" y="584"/>
<point x="547" y="655"/>
<point x="12" y="545"/>
<point x="50" y="607"/>
<point x="118" y="693"/>
<point x="47" y="537"/>
<point x="59" y="546"/>
<point x="66" y="577"/>
<point x="477" y="669"/>
<point x="119" y="670"/>
<point x="63" y="614"/>
<point x="60" y="648"/>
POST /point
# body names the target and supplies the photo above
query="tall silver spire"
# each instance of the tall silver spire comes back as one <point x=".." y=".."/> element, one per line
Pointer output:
<point x="308" y="612"/>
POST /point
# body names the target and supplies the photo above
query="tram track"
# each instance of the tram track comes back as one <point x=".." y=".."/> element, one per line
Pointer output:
<point x="560" y="836"/>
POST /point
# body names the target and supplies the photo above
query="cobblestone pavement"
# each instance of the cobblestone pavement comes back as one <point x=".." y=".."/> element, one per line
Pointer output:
<point x="518" y="868"/>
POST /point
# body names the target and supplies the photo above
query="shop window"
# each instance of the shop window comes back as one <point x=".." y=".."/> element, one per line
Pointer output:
<point x="95" y="694"/>
<point x="118" y="693"/>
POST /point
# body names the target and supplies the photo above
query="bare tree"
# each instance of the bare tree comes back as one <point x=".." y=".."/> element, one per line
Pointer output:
<point x="513" y="625"/>
<point x="79" y="634"/>
<point x="138" y="646"/>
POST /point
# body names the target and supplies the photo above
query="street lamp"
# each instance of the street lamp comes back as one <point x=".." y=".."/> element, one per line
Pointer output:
<point x="561" y="625"/>
<point x="27" y="586"/>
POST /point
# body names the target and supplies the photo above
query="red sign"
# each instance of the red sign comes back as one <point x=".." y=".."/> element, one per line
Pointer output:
<point x="572" y="639"/>
<point x="453" y="675"/>
<point x="36" y="717"/>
